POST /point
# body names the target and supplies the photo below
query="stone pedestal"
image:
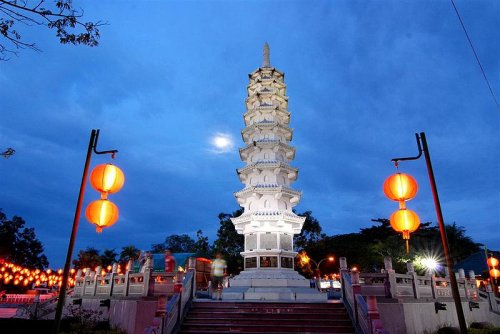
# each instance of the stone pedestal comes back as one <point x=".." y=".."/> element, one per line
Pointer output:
<point x="272" y="285"/>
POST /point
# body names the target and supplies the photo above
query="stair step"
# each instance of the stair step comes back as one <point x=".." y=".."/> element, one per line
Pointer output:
<point x="268" y="309"/>
<point x="266" y="321"/>
<point x="217" y="304"/>
<point x="257" y="315"/>
<point x="264" y="317"/>
<point x="194" y="331"/>
<point x="307" y="328"/>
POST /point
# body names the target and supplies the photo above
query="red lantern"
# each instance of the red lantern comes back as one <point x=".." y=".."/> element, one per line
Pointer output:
<point x="492" y="262"/>
<point x="405" y="221"/>
<point x="400" y="187"/>
<point x="495" y="273"/>
<point x="102" y="213"/>
<point x="107" y="179"/>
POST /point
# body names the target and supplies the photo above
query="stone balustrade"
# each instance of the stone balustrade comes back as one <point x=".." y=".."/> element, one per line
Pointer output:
<point x="129" y="284"/>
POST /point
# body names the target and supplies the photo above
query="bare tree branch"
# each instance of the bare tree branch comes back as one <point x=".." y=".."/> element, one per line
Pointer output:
<point x="59" y="15"/>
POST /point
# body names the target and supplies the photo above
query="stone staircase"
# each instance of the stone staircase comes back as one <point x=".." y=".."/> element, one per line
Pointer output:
<point x="266" y="317"/>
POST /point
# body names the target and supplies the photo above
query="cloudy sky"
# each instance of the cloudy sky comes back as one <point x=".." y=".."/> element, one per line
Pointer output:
<point x="170" y="77"/>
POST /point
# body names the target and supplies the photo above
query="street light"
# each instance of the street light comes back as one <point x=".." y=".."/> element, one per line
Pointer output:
<point x="423" y="148"/>
<point x="305" y="259"/>
<point x="94" y="137"/>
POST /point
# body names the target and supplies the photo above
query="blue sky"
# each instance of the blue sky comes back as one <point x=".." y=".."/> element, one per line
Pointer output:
<point x="168" y="76"/>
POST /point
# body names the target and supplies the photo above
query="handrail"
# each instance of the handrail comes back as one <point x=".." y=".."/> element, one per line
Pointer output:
<point x="178" y="306"/>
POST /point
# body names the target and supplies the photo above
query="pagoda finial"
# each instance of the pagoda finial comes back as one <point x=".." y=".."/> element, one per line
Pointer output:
<point x="267" y="61"/>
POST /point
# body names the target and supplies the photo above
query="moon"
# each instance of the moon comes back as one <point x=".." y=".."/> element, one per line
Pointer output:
<point x="222" y="143"/>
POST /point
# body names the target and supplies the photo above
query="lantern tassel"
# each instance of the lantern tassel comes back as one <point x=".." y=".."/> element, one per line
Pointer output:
<point x="98" y="229"/>
<point x="407" y="246"/>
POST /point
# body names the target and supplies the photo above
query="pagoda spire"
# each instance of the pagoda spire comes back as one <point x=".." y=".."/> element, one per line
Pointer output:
<point x="267" y="61"/>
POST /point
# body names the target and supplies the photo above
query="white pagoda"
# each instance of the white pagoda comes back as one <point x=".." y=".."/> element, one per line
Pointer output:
<point x="268" y="222"/>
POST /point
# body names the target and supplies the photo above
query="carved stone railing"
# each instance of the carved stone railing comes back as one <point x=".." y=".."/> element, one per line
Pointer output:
<point x="390" y="284"/>
<point x="130" y="284"/>
<point x="180" y="302"/>
<point x="360" y="292"/>
<point x="364" y="315"/>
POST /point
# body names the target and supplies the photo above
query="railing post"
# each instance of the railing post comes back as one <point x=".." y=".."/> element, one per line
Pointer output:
<point x="491" y="299"/>
<point x="411" y="272"/>
<point x="462" y="279"/>
<point x="343" y="270"/>
<point x="390" y="282"/>
<point x="473" y="285"/>
<point x="148" y="281"/>
<point x="356" y="289"/>
<point x="96" y="274"/>
<point x="374" y="322"/>
<point x="128" y="270"/>
<point x="192" y="267"/>
<point x="433" y="287"/>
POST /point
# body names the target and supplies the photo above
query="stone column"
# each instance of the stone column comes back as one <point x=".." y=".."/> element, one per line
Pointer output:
<point x="356" y="289"/>
<point x="343" y="270"/>
<point x="414" y="280"/>
<point x="390" y="281"/>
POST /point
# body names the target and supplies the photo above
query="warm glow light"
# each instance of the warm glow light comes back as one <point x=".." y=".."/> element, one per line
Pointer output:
<point x="400" y="187"/>
<point x="495" y="273"/>
<point x="492" y="262"/>
<point x="429" y="263"/>
<point x="405" y="221"/>
<point x="102" y="213"/>
<point x="331" y="258"/>
<point x="107" y="179"/>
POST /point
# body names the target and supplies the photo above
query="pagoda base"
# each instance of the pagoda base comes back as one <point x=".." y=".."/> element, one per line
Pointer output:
<point x="271" y="285"/>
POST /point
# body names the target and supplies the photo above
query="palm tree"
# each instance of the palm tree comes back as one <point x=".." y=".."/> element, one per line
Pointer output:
<point x="129" y="253"/>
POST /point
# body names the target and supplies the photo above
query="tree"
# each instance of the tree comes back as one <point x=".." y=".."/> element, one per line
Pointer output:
<point x="19" y="244"/>
<point x="177" y="243"/>
<point x="108" y="257"/>
<point x="310" y="233"/>
<point x="129" y="253"/>
<point x="229" y="242"/>
<point x="202" y="246"/>
<point x="88" y="258"/>
<point x="59" y="15"/>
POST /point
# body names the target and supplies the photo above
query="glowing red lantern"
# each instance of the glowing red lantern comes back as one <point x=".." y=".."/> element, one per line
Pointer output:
<point x="405" y="221"/>
<point x="495" y="273"/>
<point x="107" y="179"/>
<point x="492" y="262"/>
<point x="102" y="213"/>
<point x="400" y="187"/>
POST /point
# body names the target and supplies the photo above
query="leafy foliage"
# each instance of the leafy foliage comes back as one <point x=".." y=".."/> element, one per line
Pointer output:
<point x="177" y="243"/>
<point x="202" y="246"/>
<point x="108" y="257"/>
<point x="19" y="244"/>
<point x="310" y="233"/>
<point x="88" y="258"/>
<point x="58" y="15"/>
<point x="129" y="253"/>
<point x="229" y="242"/>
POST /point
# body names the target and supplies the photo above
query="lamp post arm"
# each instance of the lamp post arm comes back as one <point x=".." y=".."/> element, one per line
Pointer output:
<point x="444" y="238"/>
<point x="112" y="152"/>
<point x="397" y="160"/>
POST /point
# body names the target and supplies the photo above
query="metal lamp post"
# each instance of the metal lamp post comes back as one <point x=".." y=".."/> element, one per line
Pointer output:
<point x="423" y="148"/>
<point x="94" y="137"/>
